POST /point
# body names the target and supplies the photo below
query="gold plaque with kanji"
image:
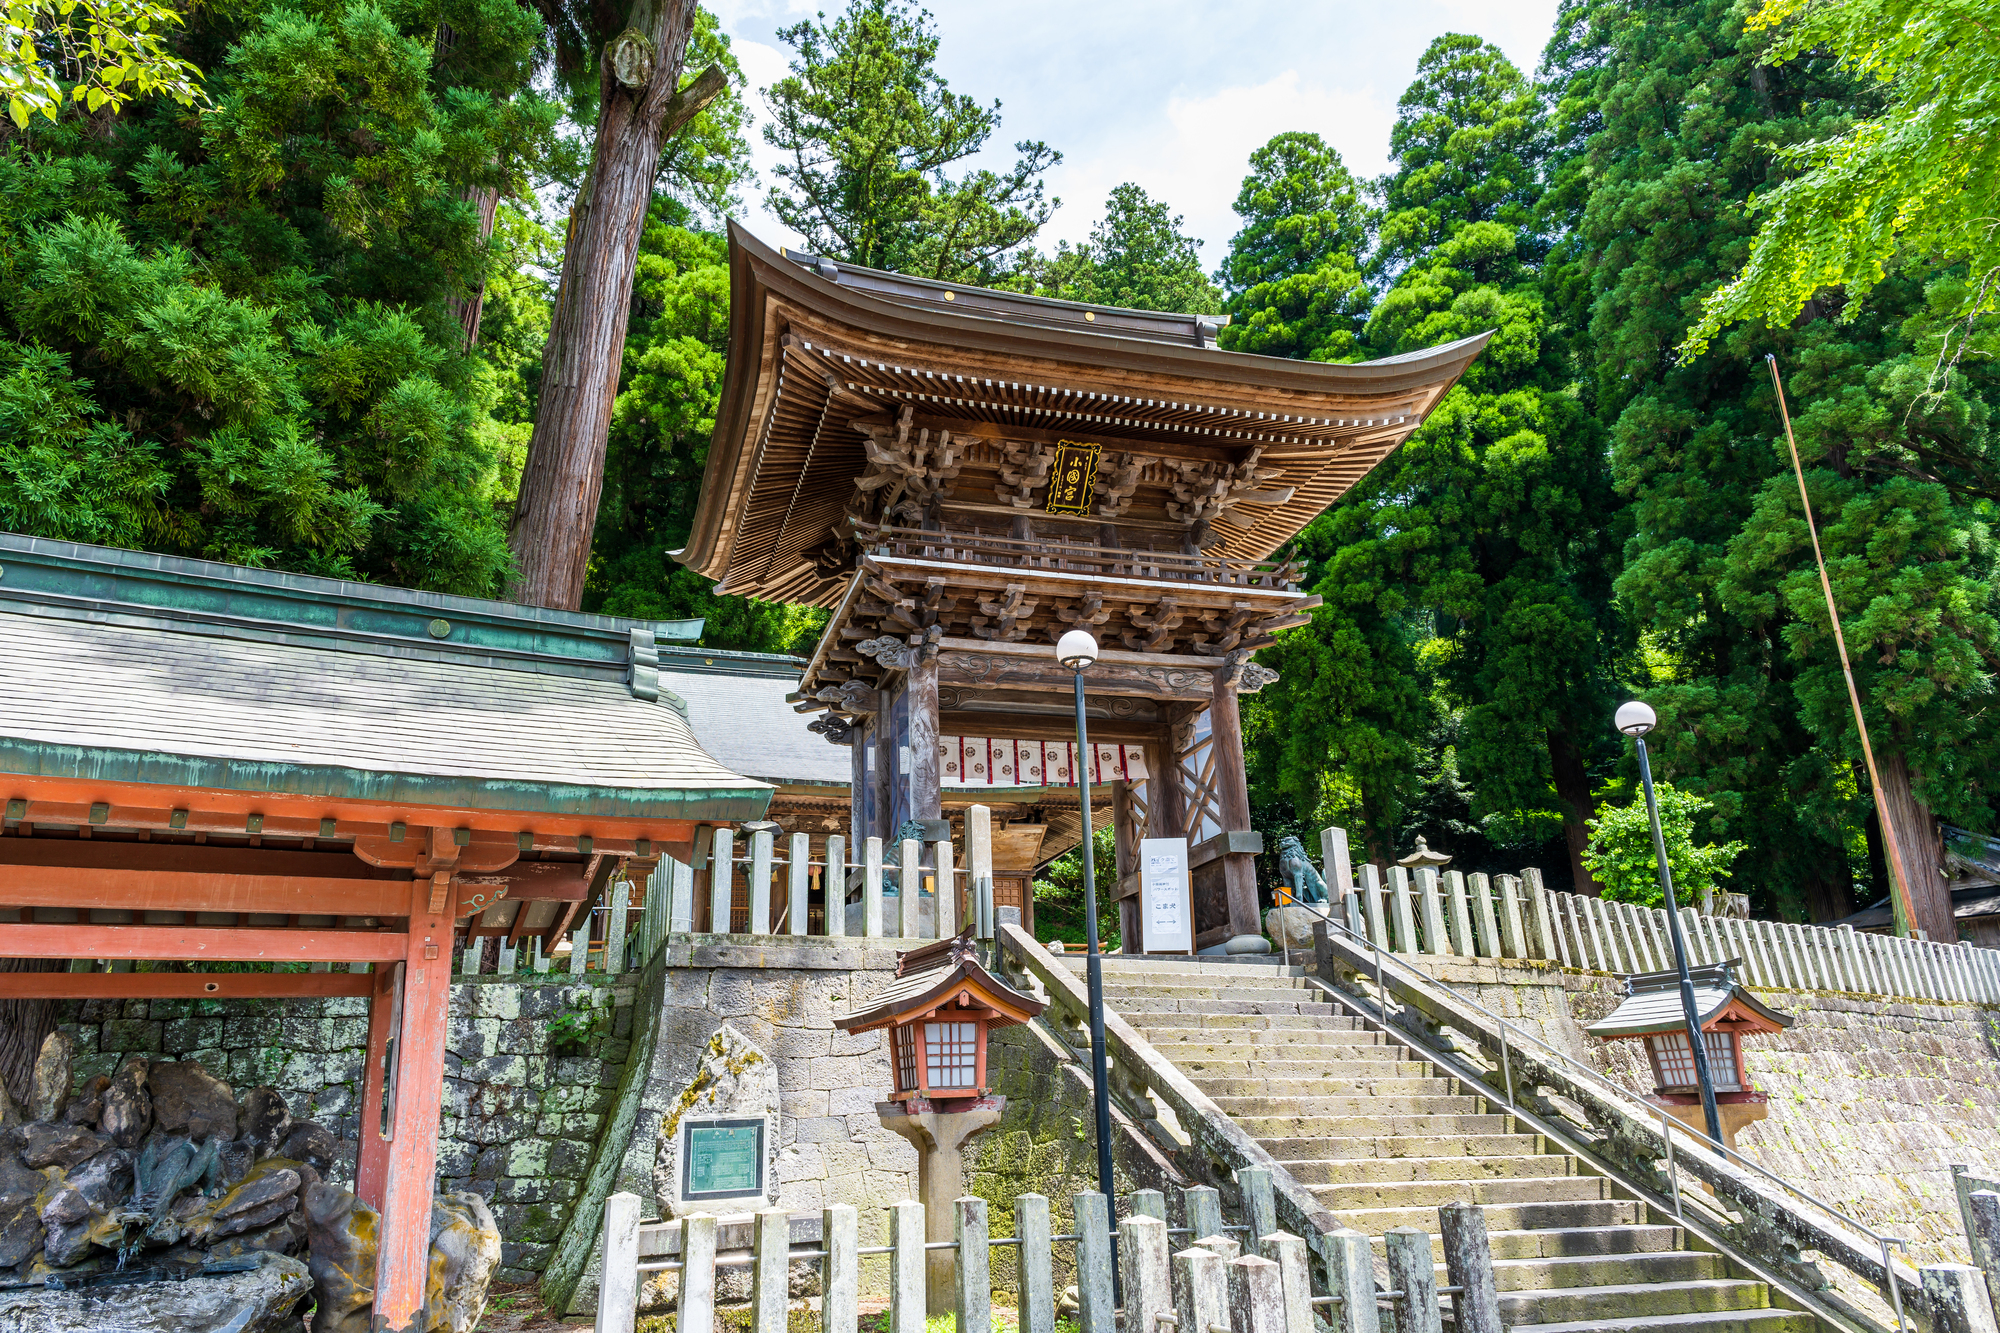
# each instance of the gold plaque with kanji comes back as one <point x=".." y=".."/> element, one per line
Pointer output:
<point x="1073" y="480"/>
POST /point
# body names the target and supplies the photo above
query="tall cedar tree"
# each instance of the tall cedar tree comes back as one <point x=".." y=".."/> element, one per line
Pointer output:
<point x="1293" y="274"/>
<point x="232" y="337"/>
<point x="869" y="130"/>
<point x="1717" y="573"/>
<point x="1137" y="257"/>
<point x="635" y="53"/>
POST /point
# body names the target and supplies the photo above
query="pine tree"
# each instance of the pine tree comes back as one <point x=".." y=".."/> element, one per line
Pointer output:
<point x="1137" y="257"/>
<point x="1293" y="273"/>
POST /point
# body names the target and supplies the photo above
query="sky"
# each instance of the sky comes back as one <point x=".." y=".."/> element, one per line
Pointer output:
<point x="1172" y="94"/>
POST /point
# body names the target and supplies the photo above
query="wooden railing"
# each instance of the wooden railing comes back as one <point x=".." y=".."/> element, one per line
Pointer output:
<point x="1054" y="555"/>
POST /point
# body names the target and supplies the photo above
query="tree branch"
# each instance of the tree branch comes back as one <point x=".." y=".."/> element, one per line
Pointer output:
<point x="689" y="102"/>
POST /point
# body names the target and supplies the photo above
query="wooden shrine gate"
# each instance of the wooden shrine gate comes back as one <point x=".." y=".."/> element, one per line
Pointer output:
<point x="206" y="765"/>
<point x="961" y="475"/>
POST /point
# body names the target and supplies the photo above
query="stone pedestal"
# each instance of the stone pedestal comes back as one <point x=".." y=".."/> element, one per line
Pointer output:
<point x="939" y="1137"/>
<point x="1736" y="1114"/>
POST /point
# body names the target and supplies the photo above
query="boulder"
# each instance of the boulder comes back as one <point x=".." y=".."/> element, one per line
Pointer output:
<point x="252" y="1294"/>
<point x="189" y="1100"/>
<point x="310" y="1142"/>
<point x="21" y="1234"/>
<point x="340" y="1235"/>
<point x="465" y="1249"/>
<point x="87" y="1106"/>
<point x="78" y="1210"/>
<point x="1291" y="927"/>
<point x="52" y="1077"/>
<point x="128" y="1106"/>
<point x="43" y="1144"/>
<point x="264" y="1119"/>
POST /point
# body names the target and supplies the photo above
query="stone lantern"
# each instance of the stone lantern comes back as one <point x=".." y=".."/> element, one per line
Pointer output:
<point x="1651" y="1011"/>
<point x="937" y="1013"/>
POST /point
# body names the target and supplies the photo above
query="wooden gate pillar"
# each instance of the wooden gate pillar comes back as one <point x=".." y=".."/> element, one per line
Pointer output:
<point x="1232" y="786"/>
<point x="403" y="1261"/>
<point x="371" y="1168"/>
<point x="921" y="700"/>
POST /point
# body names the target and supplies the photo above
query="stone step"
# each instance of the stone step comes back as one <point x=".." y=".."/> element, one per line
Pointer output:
<point x="1431" y="1193"/>
<point x="1627" y="1300"/>
<point x="1281" y="1128"/>
<point x="1549" y="1218"/>
<point x="1166" y="1020"/>
<point x="1367" y="1147"/>
<point x="1372" y="1107"/>
<point x="1342" y="1066"/>
<point x="1192" y="1043"/>
<point x="1367" y="1084"/>
<point x="1731" y="1321"/>
<point x="1389" y="1170"/>
<point x="1117" y="993"/>
<point x="1168" y="967"/>
<point x="1605" y="1270"/>
<point x="1169" y="1004"/>
<point x="1576" y="1241"/>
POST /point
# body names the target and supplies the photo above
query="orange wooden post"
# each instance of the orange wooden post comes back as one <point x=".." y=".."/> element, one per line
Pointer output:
<point x="404" y="1260"/>
<point x="371" y="1169"/>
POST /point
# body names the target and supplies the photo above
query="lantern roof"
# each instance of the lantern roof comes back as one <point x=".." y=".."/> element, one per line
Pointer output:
<point x="935" y="975"/>
<point x="1653" y="1004"/>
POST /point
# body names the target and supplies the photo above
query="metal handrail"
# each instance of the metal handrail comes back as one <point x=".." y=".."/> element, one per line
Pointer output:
<point x="1667" y="1123"/>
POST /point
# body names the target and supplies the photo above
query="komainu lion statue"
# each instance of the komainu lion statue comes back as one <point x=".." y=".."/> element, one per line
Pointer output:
<point x="1302" y="882"/>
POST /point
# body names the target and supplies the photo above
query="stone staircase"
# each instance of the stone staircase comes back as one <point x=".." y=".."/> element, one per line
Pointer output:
<point x="1381" y="1140"/>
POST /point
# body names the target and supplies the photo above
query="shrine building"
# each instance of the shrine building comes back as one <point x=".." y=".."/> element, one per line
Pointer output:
<point x="960" y="475"/>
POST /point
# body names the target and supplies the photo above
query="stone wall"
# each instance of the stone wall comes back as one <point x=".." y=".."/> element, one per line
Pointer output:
<point x="1871" y="1101"/>
<point x="520" y="1118"/>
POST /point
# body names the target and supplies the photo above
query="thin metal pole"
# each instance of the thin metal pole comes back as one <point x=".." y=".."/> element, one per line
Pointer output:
<point x="1688" y="1009"/>
<point x="1094" y="967"/>
<point x="1907" y="910"/>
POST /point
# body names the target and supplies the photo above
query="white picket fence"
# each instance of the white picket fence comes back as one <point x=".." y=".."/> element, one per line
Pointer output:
<point x="1225" y="1279"/>
<point x="1515" y="916"/>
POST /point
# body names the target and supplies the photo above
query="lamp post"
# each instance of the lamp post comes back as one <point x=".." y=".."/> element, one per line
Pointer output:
<point x="1077" y="651"/>
<point x="1635" y="719"/>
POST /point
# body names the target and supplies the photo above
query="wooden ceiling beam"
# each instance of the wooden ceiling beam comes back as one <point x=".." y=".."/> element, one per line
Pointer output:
<point x="183" y="985"/>
<point x="256" y="944"/>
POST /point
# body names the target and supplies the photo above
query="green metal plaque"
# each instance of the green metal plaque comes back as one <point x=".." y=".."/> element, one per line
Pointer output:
<point x="722" y="1159"/>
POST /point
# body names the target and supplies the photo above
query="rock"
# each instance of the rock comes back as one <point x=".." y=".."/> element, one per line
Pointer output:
<point x="263" y="1187"/>
<point x="88" y="1105"/>
<point x="257" y="1218"/>
<point x="465" y="1249"/>
<point x="77" y="1211"/>
<point x="20" y="1235"/>
<point x="258" y="1298"/>
<point x="340" y="1236"/>
<point x="1291" y="926"/>
<point x="65" y="1146"/>
<point x="734" y="1080"/>
<point x="285" y="1236"/>
<point x="52" y="1077"/>
<point x="233" y="1163"/>
<point x="310" y="1142"/>
<point x="264" y="1119"/>
<point x="18" y="1183"/>
<point x="128" y="1107"/>
<point x="10" y="1114"/>
<point x="189" y="1100"/>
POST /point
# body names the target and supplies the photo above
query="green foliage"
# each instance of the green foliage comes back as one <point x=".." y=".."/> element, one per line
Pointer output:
<point x="1137" y="257"/>
<point x="234" y="338"/>
<point x="1622" y="857"/>
<point x="1058" y="889"/>
<point x="573" y="1030"/>
<point x="1293" y="271"/>
<point x="107" y="52"/>
<point x="871" y="128"/>
<point x="1916" y="178"/>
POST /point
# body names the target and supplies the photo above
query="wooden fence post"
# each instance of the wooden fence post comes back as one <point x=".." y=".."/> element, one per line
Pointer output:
<point x="910" y="890"/>
<point x="1433" y="912"/>
<point x="1201" y="1211"/>
<point x="1260" y="1204"/>
<point x="906" y="1267"/>
<point x="1143" y="1266"/>
<point x="1468" y="1262"/>
<point x="1461" y="915"/>
<point x="944" y="908"/>
<point x="697" y="1303"/>
<point x="973" y="1288"/>
<point x="1371" y="900"/>
<point x="721" y="882"/>
<point x="680" y="898"/>
<point x="1038" y="1290"/>
<point x="1350" y="1273"/>
<point x="1288" y="1252"/>
<point x="1513" y="939"/>
<point x="1201" y="1290"/>
<point x="1484" y="917"/>
<point x="1412" y="1272"/>
<point x="1096" y="1310"/>
<point x="770" y="1270"/>
<point x="1541" y="925"/>
<point x="979" y="867"/>
<point x="762" y="843"/>
<point x="798" y="884"/>
<point x="618" y="1287"/>
<point x="1402" y="910"/>
<point x="840" y="1272"/>
<point x="1256" y="1296"/>
<point x="871" y="887"/>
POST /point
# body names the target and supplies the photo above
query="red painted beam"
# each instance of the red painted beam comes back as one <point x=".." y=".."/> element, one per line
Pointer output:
<point x="197" y="891"/>
<point x="403" y="1259"/>
<point x="371" y="1171"/>
<point x="204" y="944"/>
<point x="181" y="985"/>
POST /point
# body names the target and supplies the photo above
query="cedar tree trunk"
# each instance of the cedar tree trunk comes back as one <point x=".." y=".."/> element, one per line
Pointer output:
<point x="468" y="308"/>
<point x="1572" y="782"/>
<point x="1921" y="842"/>
<point x="564" y="474"/>
<point x="24" y="1026"/>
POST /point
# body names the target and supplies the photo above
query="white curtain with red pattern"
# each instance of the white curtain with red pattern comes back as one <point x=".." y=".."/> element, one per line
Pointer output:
<point x="987" y="761"/>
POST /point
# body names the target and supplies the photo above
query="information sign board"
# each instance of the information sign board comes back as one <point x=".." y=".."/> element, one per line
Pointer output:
<point x="722" y="1159"/>
<point x="1164" y="895"/>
